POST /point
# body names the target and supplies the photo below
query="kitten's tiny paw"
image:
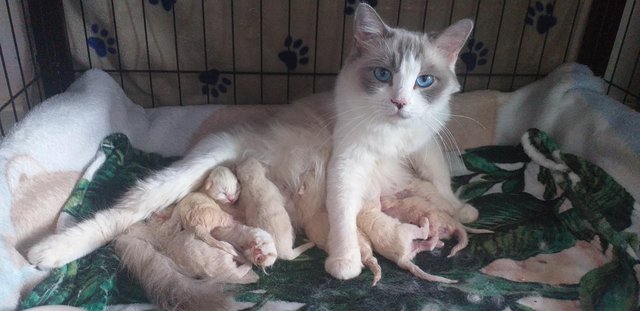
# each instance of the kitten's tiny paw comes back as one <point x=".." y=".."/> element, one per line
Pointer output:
<point x="53" y="252"/>
<point x="262" y="251"/>
<point x="467" y="213"/>
<point x="343" y="268"/>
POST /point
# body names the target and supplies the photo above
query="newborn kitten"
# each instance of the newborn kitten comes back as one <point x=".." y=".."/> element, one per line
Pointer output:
<point x="142" y="251"/>
<point x="421" y="199"/>
<point x="396" y="241"/>
<point x="263" y="205"/>
<point x="378" y="127"/>
<point x="196" y="258"/>
<point x="200" y="213"/>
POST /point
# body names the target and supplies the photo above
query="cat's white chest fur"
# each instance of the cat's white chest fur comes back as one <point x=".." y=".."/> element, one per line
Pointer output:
<point x="391" y="146"/>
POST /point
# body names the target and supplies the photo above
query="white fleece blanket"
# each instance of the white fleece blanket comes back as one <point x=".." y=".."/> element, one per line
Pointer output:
<point x="47" y="151"/>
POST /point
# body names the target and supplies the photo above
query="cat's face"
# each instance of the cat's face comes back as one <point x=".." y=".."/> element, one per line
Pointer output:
<point x="222" y="185"/>
<point x="397" y="74"/>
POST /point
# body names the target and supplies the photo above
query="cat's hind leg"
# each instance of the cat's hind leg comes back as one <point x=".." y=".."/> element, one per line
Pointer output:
<point x="149" y="195"/>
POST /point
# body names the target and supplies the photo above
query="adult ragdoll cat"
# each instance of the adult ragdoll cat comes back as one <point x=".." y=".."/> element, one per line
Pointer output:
<point x="377" y="129"/>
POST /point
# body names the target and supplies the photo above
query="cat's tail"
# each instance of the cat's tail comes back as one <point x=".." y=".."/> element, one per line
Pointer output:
<point x="149" y="195"/>
<point x="161" y="279"/>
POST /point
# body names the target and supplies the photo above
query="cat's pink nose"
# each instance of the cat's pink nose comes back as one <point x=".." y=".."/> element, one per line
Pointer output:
<point x="231" y="198"/>
<point x="399" y="102"/>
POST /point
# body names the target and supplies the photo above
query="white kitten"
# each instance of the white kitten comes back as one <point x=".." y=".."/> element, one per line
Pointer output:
<point x="263" y="205"/>
<point x="391" y="99"/>
<point x="222" y="185"/>
<point x="396" y="241"/>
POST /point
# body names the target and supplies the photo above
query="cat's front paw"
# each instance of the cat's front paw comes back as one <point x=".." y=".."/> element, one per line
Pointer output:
<point x="344" y="268"/>
<point x="467" y="213"/>
<point x="53" y="252"/>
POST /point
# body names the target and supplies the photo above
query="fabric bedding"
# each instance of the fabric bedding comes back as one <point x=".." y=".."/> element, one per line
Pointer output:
<point x="563" y="241"/>
<point x="566" y="230"/>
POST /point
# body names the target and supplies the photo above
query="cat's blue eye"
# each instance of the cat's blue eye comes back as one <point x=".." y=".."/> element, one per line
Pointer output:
<point x="383" y="75"/>
<point x="424" y="81"/>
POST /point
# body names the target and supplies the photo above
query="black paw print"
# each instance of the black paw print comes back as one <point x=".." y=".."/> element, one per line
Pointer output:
<point x="350" y="6"/>
<point x="213" y="83"/>
<point x="101" y="42"/>
<point x="475" y="55"/>
<point x="295" y="54"/>
<point x="166" y="4"/>
<point x="541" y="16"/>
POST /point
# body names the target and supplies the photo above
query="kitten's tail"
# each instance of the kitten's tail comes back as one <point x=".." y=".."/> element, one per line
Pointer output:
<point x="163" y="282"/>
<point x="415" y="270"/>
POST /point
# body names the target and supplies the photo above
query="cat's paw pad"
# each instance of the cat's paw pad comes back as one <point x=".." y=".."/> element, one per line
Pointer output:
<point x="53" y="252"/>
<point x="343" y="268"/>
<point x="262" y="249"/>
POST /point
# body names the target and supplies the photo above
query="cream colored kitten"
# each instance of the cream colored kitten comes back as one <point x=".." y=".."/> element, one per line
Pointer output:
<point x="264" y="207"/>
<point x="142" y="250"/>
<point x="377" y="129"/>
<point x="396" y="241"/>
<point x="421" y="199"/>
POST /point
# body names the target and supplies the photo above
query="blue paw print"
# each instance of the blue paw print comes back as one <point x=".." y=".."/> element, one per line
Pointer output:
<point x="166" y="4"/>
<point x="475" y="55"/>
<point x="214" y="84"/>
<point x="541" y="16"/>
<point x="295" y="54"/>
<point x="351" y="5"/>
<point x="101" y="42"/>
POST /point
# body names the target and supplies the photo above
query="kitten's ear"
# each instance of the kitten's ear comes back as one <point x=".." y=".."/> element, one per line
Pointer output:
<point x="207" y="185"/>
<point x="452" y="39"/>
<point x="367" y="24"/>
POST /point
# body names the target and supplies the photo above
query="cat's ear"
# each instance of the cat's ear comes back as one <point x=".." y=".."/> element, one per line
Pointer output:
<point x="207" y="185"/>
<point x="452" y="39"/>
<point x="367" y="24"/>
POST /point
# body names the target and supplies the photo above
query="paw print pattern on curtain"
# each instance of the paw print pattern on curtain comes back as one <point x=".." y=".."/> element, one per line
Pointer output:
<point x="541" y="17"/>
<point x="101" y="42"/>
<point x="476" y="55"/>
<point x="295" y="53"/>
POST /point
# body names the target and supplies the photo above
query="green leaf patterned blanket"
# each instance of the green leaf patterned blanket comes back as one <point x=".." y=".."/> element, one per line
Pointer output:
<point x="566" y="238"/>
